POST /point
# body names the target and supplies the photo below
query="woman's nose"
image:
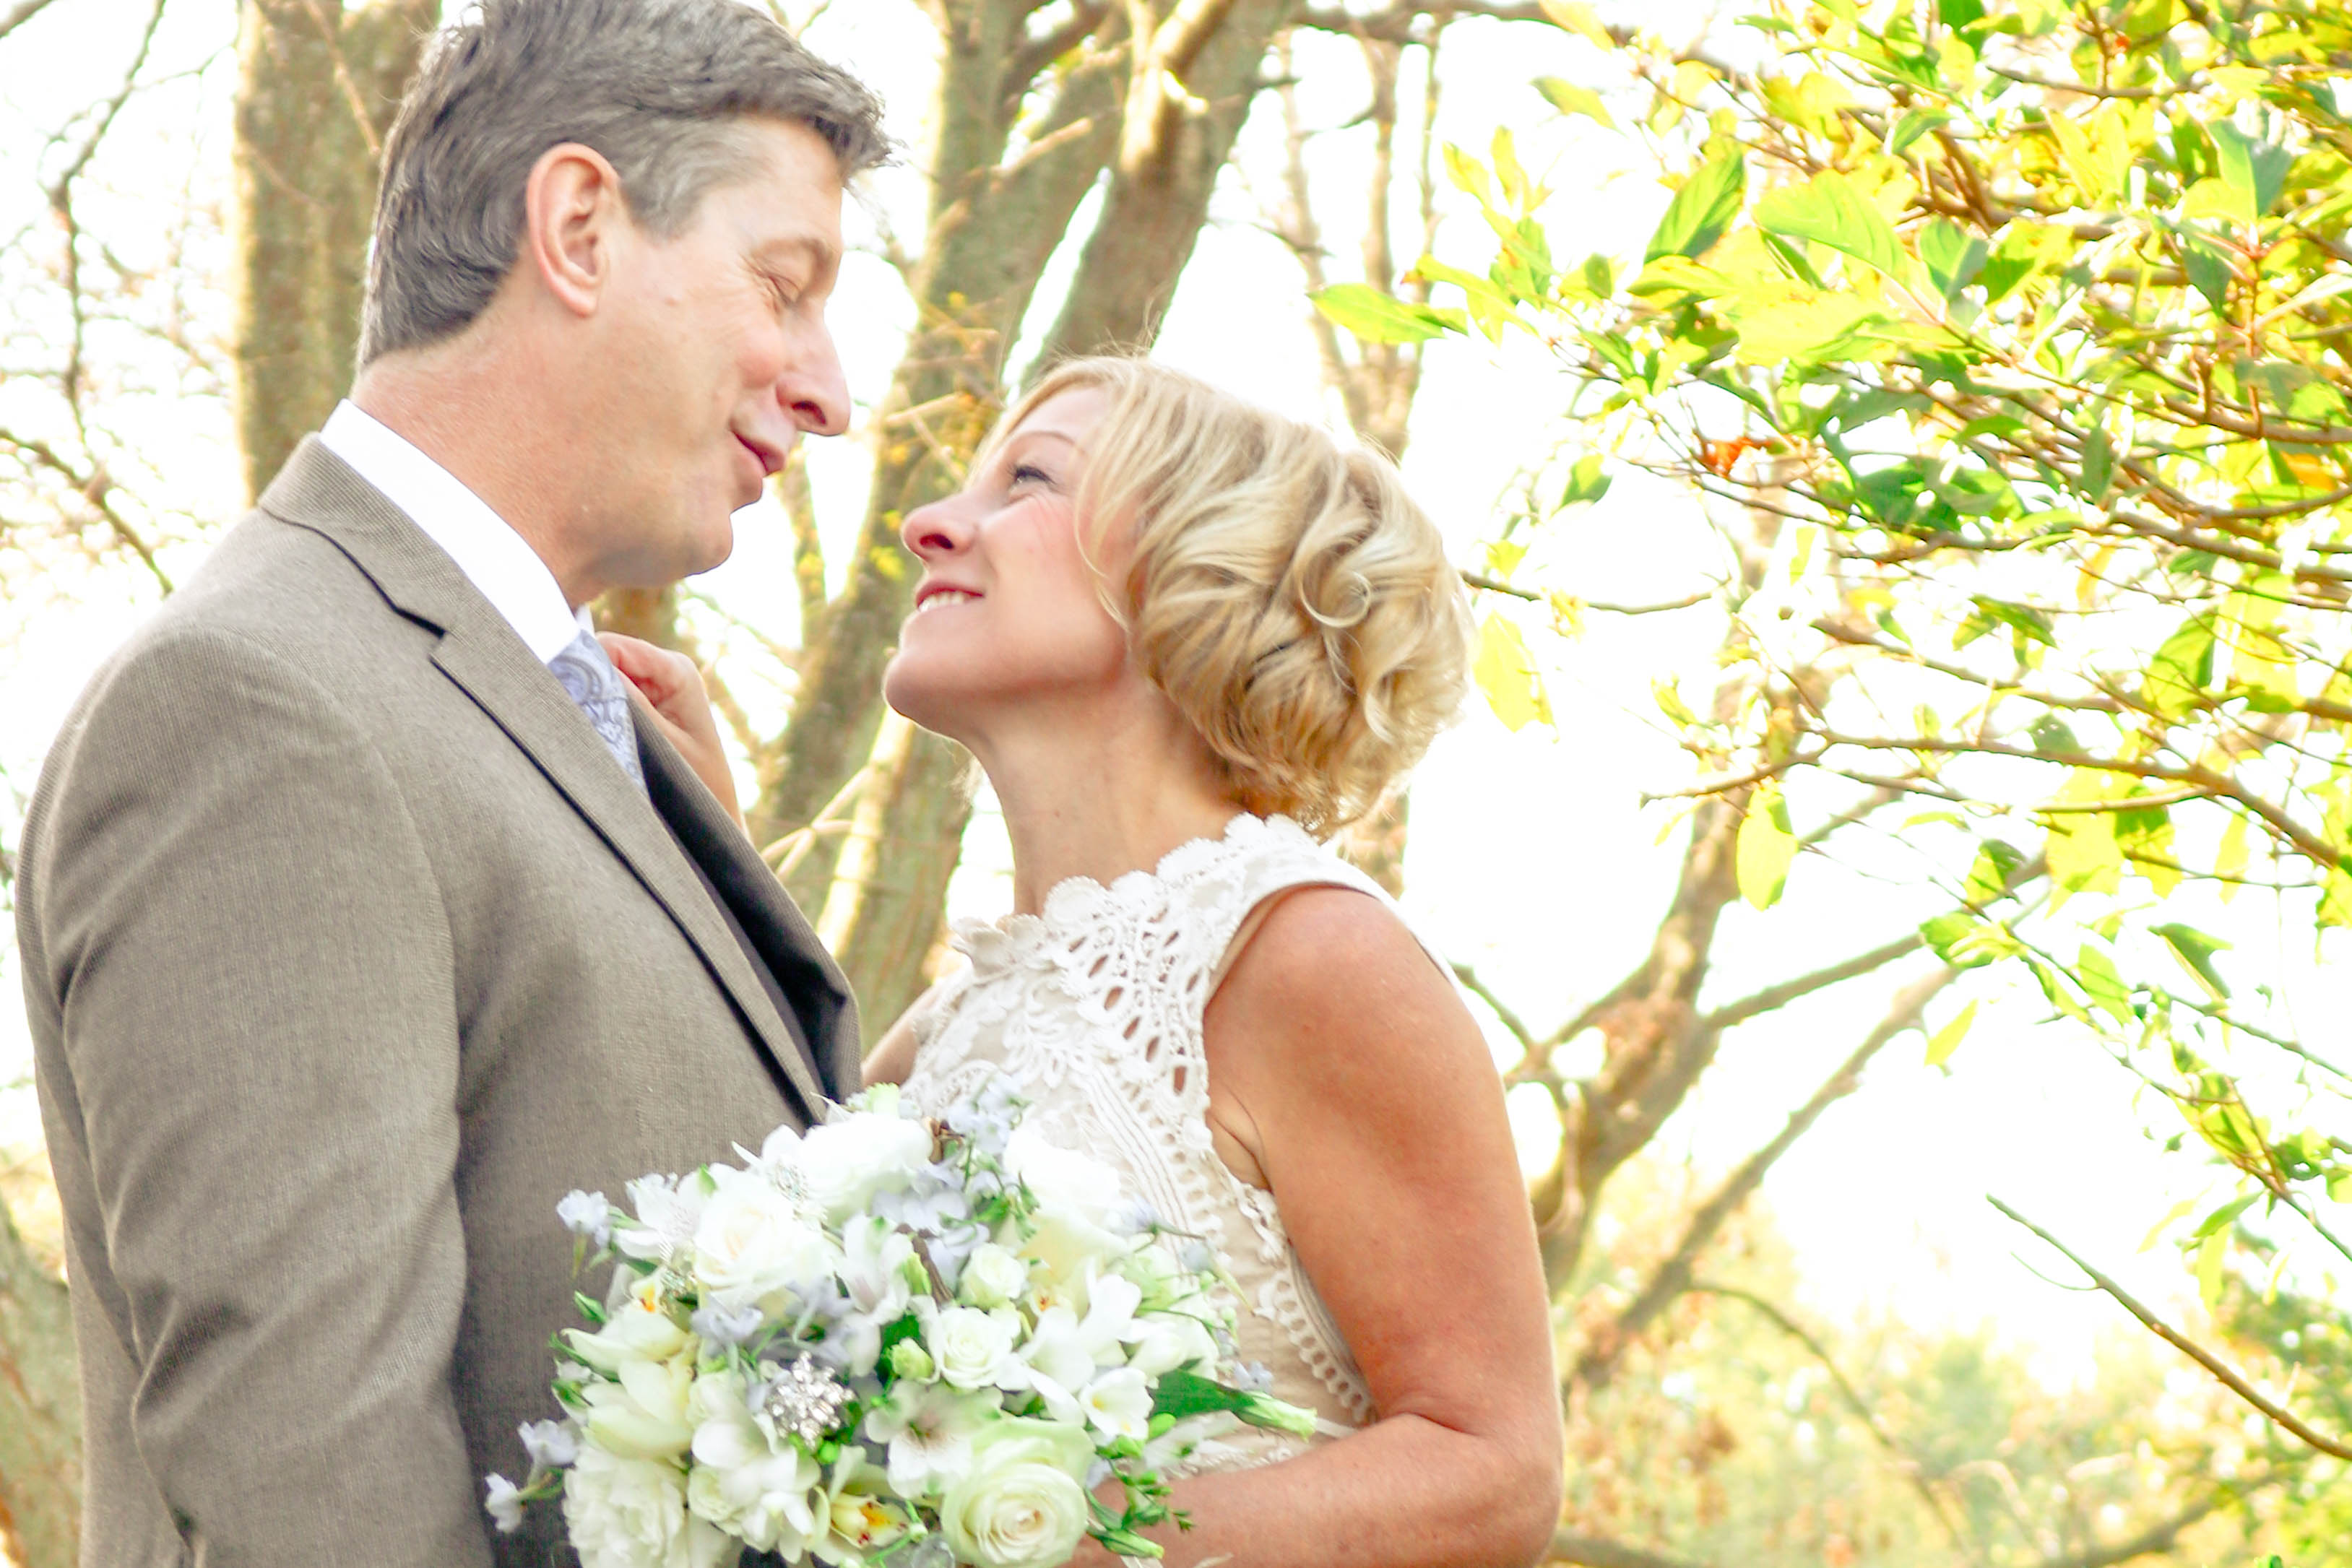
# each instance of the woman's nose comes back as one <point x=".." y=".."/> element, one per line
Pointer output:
<point x="936" y="529"/>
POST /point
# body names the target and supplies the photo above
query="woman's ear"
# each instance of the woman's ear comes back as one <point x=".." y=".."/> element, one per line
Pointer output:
<point x="572" y="212"/>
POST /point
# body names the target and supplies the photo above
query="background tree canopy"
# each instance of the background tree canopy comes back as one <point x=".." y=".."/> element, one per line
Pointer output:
<point x="1987" y="358"/>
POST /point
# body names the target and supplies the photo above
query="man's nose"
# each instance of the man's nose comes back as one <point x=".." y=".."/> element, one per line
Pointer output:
<point x="814" y="391"/>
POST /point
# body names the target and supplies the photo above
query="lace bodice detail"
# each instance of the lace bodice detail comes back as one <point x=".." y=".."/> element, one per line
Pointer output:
<point x="1094" y="1007"/>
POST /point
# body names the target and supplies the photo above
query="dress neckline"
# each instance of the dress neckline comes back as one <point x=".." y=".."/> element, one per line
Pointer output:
<point x="1010" y="938"/>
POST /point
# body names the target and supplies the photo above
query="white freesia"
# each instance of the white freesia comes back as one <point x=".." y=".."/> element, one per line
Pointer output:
<point x="640" y="1330"/>
<point x="847" y="1162"/>
<point x="752" y="1245"/>
<point x="643" y="1415"/>
<point x="972" y="1348"/>
<point x="631" y="1513"/>
<point x="992" y="1277"/>
<point x="504" y="1503"/>
<point x="1022" y="1504"/>
<point x="929" y="1430"/>
<point x="1117" y="1404"/>
<point x="1072" y="1252"/>
<point x="1064" y="1180"/>
<point x="744" y="1482"/>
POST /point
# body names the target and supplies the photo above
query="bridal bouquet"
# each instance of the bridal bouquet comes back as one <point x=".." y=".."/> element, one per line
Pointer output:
<point x="884" y="1340"/>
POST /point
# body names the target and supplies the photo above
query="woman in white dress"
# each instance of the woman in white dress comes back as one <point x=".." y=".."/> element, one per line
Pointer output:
<point x="1184" y="636"/>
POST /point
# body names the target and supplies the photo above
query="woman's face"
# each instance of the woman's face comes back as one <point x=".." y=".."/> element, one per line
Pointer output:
<point x="1007" y="614"/>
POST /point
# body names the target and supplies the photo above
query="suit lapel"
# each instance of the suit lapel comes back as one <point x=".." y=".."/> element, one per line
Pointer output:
<point x="481" y="655"/>
<point x="768" y="919"/>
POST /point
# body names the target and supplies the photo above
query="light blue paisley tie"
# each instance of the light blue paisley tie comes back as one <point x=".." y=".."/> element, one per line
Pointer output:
<point x="592" y="682"/>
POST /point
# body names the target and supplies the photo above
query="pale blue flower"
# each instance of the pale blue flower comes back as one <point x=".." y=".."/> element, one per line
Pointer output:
<point x="551" y="1445"/>
<point x="720" y="1326"/>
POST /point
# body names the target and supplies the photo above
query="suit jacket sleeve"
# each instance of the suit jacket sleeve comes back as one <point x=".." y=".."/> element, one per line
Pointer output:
<point x="252" y="964"/>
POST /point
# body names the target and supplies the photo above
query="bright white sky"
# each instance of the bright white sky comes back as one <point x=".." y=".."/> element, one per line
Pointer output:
<point x="1530" y="857"/>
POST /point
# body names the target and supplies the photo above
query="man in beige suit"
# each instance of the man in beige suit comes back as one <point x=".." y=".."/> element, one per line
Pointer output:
<point x="362" y="917"/>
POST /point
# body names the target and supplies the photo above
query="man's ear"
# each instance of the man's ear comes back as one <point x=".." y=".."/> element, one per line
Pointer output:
<point x="571" y="213"/>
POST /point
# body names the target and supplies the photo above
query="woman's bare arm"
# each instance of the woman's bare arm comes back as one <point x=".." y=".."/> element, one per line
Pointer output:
<point x="1379" y="1122"/>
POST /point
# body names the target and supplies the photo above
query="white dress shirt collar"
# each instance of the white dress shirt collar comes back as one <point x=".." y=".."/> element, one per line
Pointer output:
<point x="495" y="559"/>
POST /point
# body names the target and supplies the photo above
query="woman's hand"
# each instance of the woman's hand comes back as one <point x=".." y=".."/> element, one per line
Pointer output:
<point x="672" y="686"/>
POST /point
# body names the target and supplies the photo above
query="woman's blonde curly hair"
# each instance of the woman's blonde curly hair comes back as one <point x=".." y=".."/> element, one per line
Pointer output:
<point x="1283" y="590"/>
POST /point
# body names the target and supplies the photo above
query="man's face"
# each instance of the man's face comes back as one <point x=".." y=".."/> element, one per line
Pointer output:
<point x="714" y="357"/>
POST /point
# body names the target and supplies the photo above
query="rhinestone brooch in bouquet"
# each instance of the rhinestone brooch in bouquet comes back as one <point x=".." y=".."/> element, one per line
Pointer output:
<point x="886" y="1340"/>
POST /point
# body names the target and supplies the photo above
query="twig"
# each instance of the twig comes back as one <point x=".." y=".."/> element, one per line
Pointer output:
<point x="1509" y="1019"/>
<point x="23" y="14"/>
<point x="2227" y="1376"/>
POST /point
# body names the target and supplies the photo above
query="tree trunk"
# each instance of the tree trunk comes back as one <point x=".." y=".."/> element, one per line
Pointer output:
<point x="317" y="89"/>
<point x="40" y="1412"/>
<point x="992" y="239"/>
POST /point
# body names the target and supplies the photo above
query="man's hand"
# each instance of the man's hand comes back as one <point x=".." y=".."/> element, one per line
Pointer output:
<point x="672" y="686"/>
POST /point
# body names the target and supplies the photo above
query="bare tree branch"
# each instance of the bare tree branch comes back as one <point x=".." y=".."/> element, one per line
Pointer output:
<point x="21" y="14"/>
<point x="1787" y="991"/>
<point x="2226" y="1376"/>
<point x="1672" y="1277"/>
<point x="1596" y="1551"/>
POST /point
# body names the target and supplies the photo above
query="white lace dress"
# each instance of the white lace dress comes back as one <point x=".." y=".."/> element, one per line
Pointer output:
<point x="1093" y="1007"/>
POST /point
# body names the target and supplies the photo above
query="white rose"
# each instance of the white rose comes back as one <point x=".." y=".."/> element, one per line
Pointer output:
<point x="762" y="1491"/>
<point x="631" y="1514"/>
<point x="1062" y="1179"/>
<point x="638" y="1329"/>
<point x="972" y="1348"/>
<point x="992" y="1277"/>
<point x="845" y="1163"/>
<point x="751" y="1244"/>
<point x="1170" y="1341"/>
<point x="1020" y="1505"/>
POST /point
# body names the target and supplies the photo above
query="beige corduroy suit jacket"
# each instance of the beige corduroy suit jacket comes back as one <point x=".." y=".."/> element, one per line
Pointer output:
<point x="349" y="950"/>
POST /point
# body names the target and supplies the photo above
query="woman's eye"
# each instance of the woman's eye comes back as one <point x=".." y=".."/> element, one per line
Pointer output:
<point x="1029" y="472"/>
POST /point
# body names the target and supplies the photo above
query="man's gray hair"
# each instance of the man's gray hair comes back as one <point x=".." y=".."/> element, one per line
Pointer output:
<point x="661" y="87"/>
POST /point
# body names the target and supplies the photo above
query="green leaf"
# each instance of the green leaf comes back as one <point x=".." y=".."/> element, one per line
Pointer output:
<point x="1830" y="209"/>
<point x="1506" y="673"/>
<point x="1952" y="256"/>
<point x="2104" y="985"/>
<point x="2055" y="987"/>
<point x="1702" y="210"/>
<point x="2208" y="270"/>
<point x="1947" y="1040"/>
<point x="1767" y="845"/>
<point x="1965" y="942"/>
<point x="1988" y="876"/>
<point x="2177" y="677"/>
<point x="1586" y="482"/>
<point x="2254" y="170"/>
<point x="1571" y="99"/>
<point x="2219" y="1219"/>
<point x="1804" y="327"/>
<point x="2052" y="737"/>
<point x="2024" y="248"/>
<point x="2211" y="1255"/>
<point x="2098" y="465"/>
<point x="1469" y="176"/>
<point x="2195" y="950"/>
<point x="1377" y="318"/>
<point x="1912" y="127"/>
